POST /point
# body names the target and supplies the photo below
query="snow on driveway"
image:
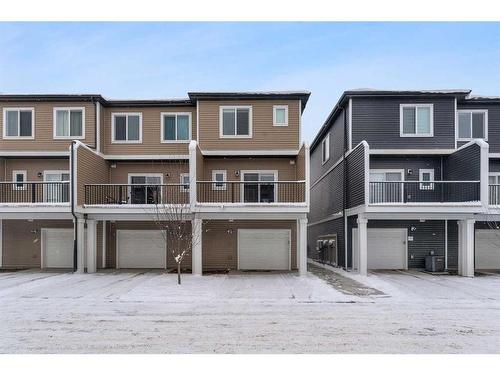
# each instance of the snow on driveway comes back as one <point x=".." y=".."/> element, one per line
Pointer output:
<point x="146" y="312"/>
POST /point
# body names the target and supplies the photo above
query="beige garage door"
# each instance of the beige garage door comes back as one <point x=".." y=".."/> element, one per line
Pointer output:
<point x="487" y="252"/>
<point x="57" y="248"/>
<point x="140" y="249"/>
<point x="263" y="249"/>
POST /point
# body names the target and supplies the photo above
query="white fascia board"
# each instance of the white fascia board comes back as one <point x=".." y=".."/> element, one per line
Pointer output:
<point x="250" y="152"/>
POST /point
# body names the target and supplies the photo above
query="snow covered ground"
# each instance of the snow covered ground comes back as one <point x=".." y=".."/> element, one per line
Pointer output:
<point x="146" y="312"/>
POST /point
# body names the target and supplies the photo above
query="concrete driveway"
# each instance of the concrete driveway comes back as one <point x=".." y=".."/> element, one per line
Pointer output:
<point x="146" y="312"/>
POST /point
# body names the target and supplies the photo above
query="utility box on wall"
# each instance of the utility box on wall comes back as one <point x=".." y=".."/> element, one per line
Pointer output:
<point x="434" y="263"/>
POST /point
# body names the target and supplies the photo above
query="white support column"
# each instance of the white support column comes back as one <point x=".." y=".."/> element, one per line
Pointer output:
<point x="362" y="246"/>
<point x="80" y="243"/>
<point x="197" y="237"/>
<point x="104" y="238"/>
<point x="302" y="246"/>
<point x="91" y="246"/>
<point x="466" y="247"/>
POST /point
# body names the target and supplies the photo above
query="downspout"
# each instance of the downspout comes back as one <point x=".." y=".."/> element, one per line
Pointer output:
<point x="344" y="187"/>
<point x="75" y="219"/>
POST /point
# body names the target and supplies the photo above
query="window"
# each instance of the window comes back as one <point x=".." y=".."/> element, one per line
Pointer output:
<point x="220" y="178"/>
<point x="68" y="123"/>
<point x="472" y="124"/>
<point x="236" y="122"/>
<point x="19" y="176"/>
<point x="426" y="175"/>
<point x="185" y="182"/>
<point x="280" y="115"/>
<point x="259" y="186"/>
<point x="145" y="188"/>
<point x="416" y="120"/>
<point x="176" y="127"/>
<point x="127" y="128"/>
<point x="56" y="192"/>
<point x="18" y="123"/>
<point x="494" y="188"/>
<point x="386" y="185"/>
<point x="325" y="149"/>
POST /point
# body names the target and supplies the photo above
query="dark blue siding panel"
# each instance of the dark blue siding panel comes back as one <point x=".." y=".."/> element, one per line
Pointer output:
<point x="463" y="165"/>
<point x="355" y="165"/>
<point x="331" y="227"/>
<point x="493" y="122"/>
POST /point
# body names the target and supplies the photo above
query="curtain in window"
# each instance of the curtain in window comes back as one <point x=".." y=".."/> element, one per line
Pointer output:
<point x="76" y="124"/>
<point x="409" y="120"/>
<point x="62" y="123"/>
<point x="182" y="127"/>
<point x="12" y="119"/>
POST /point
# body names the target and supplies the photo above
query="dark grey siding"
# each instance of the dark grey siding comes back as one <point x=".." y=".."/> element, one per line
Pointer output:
<point x="493" y="122"/>
<point x="336" y="132"/>
<point x="413" y="163"/>
<point x="330" y="227"/>
<point x="452" y="244"/>
<point x="494" y="165"/>
<point x="463" y="165"/>
<point x="427" y="236"/>
<point x="376" y="120"/>
<point x="355" y="164"/>
<point x="326" y="195"/>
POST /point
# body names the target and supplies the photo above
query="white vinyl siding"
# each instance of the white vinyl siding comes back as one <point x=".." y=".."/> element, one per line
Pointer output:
<point x="69" y="123"/>
<point x="472" y="124"/>
<point x="19" y="123"/>
<point x="416" y="120"/>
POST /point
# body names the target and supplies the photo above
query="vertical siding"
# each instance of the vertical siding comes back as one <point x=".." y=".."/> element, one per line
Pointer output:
<point x="376" y="120"/>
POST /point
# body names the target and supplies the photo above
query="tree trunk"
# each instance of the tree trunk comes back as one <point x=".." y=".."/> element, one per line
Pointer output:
<point x="179" y="273"/>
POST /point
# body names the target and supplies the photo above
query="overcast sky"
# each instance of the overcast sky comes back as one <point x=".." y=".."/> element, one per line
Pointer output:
<point x="165" y="60"/>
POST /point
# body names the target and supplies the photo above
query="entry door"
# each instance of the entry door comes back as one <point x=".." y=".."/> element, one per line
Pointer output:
<point x="145" y="189"/>
<point x="56" y="193"/>
<point x="382" y="190"/>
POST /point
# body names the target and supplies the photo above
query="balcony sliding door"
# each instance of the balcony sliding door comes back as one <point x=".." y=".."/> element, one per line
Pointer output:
<point x="386" y="186"/>
<point x="145" y="189"/>
<point x="260" y="191"/>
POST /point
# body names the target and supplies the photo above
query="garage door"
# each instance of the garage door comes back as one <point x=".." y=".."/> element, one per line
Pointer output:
<point x="386" y="248"/>
<point x="487" y="254"/>
<point x="140" y="249"/>
<point x="57" y="248"/>
<point x="264" y="249"/>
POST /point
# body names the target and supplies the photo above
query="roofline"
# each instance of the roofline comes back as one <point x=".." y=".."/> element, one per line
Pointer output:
<point x="52" y="97"/>
<point x="150" y="103"/>
<point x="346" y="95"/>
<point x="303" y="96"/>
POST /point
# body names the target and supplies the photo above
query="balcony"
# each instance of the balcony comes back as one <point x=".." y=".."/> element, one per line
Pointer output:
<point x="251" y="192"/>
<point x="34" y="192"/>
<point x="136" y="194"/>
<point x="403" y="192"/>
<point x="494" y="194"/>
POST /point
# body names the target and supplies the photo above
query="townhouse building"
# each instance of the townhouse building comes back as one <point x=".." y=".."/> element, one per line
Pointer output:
<point x="81" y="177"/>
<point x="399" y="175"/>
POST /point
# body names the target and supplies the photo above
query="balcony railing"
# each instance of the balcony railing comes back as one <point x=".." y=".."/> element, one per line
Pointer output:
<point x="494" y="194"/>
<point x="119" y="194"/>
<point x="251" y="192"/>
<point x="424" y="192"/>
<point x="34" y="192"/>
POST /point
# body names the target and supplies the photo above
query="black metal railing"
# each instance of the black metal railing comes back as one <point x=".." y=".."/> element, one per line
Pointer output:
<point x="424" y="191"/>
<point x="494" y="194"/>
<point x="251" y="191"/>
<point x="34" y="192"/>
<point x="118" y="194"/>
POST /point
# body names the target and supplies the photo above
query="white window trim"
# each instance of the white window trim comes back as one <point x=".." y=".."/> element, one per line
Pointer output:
<point x="181" y="177"/>
<point x="422" y="186"/>
<point x="54" y="120"/>
<point x="224" y="178"/>
<point x="400" y="171"/>
<point x="326" y="141"/>
<point x="138" y="174"/>
<point x="54" y="171"/>
<point x="416" y="105"/>
<point x="471" y="111"/>
<point x="163" y="140"/>
<point x="235" y="107"/>
<point x="275" y="107"/>
<point x="113" y="118"/>
<point x="14" y="175"/>
<point x="242" y="175"/>
<point x="4" y="125"/>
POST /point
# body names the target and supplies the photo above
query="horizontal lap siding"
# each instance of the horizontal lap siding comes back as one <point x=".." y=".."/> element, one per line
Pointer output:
<point x="494" y="165"/>
<point x="301" y="164"/>
<point x="151" y="133"/>
<point x="377" y="121"/>
<point x="111" y="251"/>
<point x="493" y="123"/>
<point x="326" y="195"/>
<point x="43" y="125"/>
<point x="265" y="136"/>
<point x="464" y="164"/>
<point x="119" y="175"/>
<point x="415" y="163"/>
<point x="21" y="241"/>
<point x="322" y="229"/>
<point x="219" y="244"/>
<point x="35" y="166"/>
<point x="286" y="170"/>
<point x="452" y="244"/>
<point x="91" y="169"/>
<point x="355" y="172"/>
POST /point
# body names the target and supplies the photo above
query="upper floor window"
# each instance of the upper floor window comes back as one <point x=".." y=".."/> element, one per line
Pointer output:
<point x="69" y="123"/>
<point x="280" y="115"/>
<point x="18" y="123"/>
<point x="235" y="122"/>
<point x="325" y="149"/>
<point x="472" y="124"/>
<point x="127" y="128"/>
<point x="176" y="127"/>
<point x="416" y="120"/>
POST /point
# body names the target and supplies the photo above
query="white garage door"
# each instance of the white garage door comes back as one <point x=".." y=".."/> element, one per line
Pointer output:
<point x="140" y="249"/>
<point x="57" y="248"/>
<point x="386" y="248"/>
<point x="487" y="254"/>
<point x="263" y="249"/>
